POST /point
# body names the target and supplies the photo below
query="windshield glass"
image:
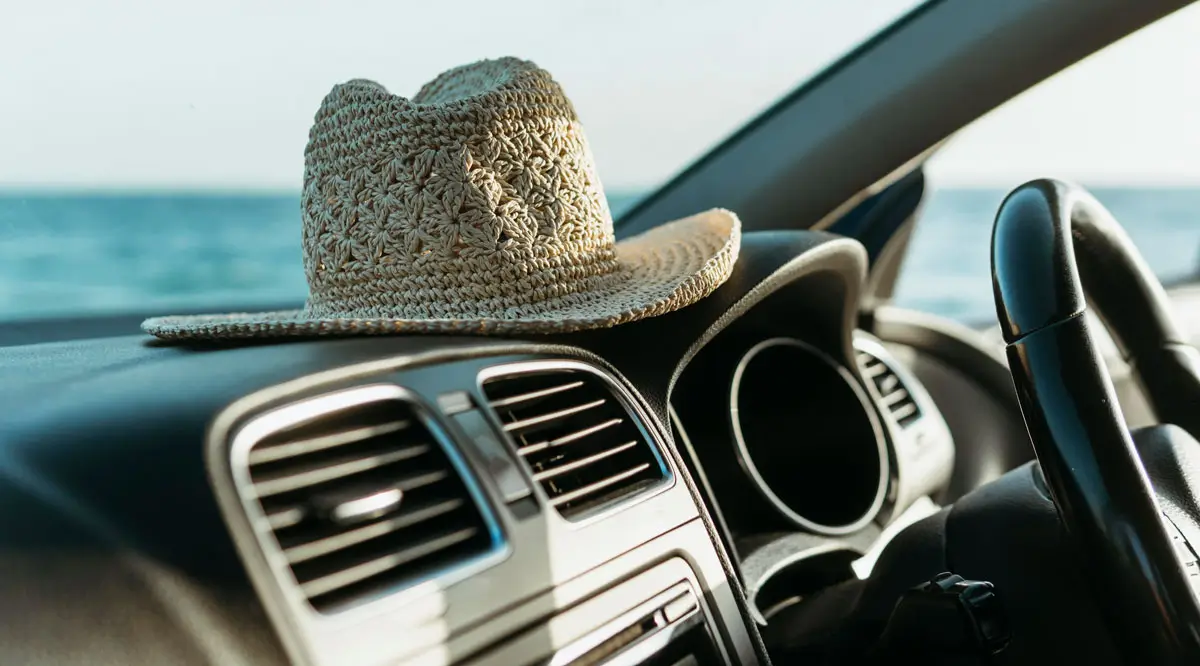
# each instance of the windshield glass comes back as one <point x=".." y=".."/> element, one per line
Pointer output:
<point x="1118" y="122"/>
<point x="153" y="151"/>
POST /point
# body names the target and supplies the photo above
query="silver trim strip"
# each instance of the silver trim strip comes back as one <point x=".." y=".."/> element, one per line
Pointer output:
<point x="283" y="483"/>
<point x="567" y="439"/>
<point x="583" y="462"/>
<point x="533" y="395"/>
<point x="903" y="412"/>
<point x="648" y="647"/>
<point x="361" y="572"/>
<point x="644" y="646"/>
<point x="599" y="485"/>
<point x="552" y="416"/>
<point x="873" y="371"/>
<point x="337" y="542"/>
<point x="809" y="550"/>
<point x="305" y="446"/>
<point x="895" y="397"/>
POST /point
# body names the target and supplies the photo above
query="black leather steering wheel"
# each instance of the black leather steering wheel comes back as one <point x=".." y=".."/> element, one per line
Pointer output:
<point x="1051" y="240"/>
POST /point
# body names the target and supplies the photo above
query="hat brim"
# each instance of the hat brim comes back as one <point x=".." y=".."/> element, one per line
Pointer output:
<point x="663" y="269"/>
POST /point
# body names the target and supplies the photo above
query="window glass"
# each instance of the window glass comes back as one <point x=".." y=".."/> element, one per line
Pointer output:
<point x="1125" y="123"/>
<point x="151" y="153"/>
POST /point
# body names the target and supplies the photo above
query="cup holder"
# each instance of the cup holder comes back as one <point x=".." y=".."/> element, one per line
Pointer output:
<point x="790" y="581"/>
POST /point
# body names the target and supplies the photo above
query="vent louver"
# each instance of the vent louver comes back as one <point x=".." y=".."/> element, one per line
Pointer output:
<point x="578" y="439"/>
<point x="889" y="390"/>
<point x="364" y="501"/>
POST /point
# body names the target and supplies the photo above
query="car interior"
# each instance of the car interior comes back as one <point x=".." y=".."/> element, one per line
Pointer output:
<point x="791" y="470"/>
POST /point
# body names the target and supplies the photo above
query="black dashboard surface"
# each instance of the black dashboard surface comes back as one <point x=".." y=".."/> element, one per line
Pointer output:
<point x="101" y="456"/>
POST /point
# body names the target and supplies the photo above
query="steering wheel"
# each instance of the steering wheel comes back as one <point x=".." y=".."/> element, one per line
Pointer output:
<point x="1052" y="244"/>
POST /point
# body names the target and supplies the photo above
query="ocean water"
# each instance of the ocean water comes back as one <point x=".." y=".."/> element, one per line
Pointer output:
<point x="71" y="254"/>
<point x="948" y="267"/>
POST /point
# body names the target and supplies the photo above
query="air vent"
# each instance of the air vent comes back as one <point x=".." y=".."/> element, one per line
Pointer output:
<point x="580" y="442"/>
<point x="363" y="501"/>
<point x="890" y="391"/>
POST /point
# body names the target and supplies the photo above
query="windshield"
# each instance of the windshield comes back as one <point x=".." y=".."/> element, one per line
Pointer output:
<point x="1118" y="122"/>
<point x="153" y="151"/>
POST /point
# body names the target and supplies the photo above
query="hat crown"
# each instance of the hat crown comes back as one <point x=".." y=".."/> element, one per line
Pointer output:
<point x="473" y="207"/>
<point x="484" y="175"/>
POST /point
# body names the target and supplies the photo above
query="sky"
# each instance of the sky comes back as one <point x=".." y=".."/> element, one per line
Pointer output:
<point x="220" y="94"/>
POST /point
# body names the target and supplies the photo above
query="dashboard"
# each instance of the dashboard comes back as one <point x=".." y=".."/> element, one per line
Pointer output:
<point x="655" y="493"/>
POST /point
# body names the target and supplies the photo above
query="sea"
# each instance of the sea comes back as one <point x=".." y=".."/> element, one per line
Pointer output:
<point x="72" y="254"/>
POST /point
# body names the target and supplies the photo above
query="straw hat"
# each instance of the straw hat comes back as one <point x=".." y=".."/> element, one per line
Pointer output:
<point x="474" y="207"/>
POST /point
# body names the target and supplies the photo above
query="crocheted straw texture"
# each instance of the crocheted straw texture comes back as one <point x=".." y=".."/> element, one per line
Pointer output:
<point x="474" y="207"/>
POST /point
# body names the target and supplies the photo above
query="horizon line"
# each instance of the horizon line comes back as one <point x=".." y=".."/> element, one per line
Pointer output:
<point x="184" y="189"/>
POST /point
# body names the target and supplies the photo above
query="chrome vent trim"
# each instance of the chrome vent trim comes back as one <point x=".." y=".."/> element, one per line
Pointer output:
<point x="358" y="495"/>
<point x="579" y="433"/>
<point x="887" y="388"/>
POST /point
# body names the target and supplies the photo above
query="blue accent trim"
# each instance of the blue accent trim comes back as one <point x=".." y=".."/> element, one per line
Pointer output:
<point x="442" y="436"/>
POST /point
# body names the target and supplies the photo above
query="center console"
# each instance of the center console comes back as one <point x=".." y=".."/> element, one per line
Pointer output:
<point x="483" y="509"/>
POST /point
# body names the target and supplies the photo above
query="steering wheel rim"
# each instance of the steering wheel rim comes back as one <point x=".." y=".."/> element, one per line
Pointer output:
<point x="1050" y="239"/>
